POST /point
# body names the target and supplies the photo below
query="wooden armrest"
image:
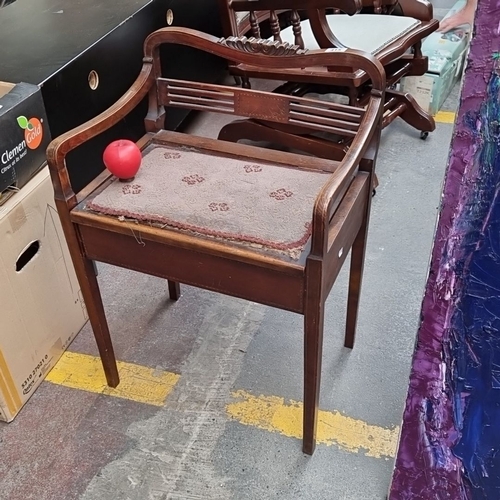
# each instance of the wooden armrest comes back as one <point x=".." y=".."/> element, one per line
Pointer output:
<point x="330" y="196"/>
<point x="62" y="145"/>
<point x="419" y="9"/>
<point x="321" y="30"/>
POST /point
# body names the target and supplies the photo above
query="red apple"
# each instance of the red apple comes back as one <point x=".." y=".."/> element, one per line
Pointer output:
<point x="122" y="158"/>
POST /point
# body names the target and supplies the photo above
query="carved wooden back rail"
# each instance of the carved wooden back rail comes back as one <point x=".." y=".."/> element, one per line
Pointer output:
<point x="251" y="51"/>
<point x="352" y="124"/>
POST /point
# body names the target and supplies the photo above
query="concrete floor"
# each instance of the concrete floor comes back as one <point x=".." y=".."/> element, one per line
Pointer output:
<point x="71" y="444"/>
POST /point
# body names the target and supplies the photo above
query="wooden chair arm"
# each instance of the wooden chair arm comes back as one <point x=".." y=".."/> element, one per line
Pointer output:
<point x="419" y="9"/>
<point x="321" y="30"/>
<point x="330" y="196"/>
<point x="62" y="145"/>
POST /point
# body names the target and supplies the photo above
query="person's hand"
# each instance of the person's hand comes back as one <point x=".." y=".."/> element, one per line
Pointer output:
<point x="463" y="16"/>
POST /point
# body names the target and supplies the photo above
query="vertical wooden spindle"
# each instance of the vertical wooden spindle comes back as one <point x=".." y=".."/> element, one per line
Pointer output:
<point x="297" y="29"/>
<point x="254" y="24"/>
<point x="275" y="25"/>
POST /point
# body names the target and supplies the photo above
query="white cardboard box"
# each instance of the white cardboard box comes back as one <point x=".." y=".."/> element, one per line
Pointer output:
<point x="41" y="308"/>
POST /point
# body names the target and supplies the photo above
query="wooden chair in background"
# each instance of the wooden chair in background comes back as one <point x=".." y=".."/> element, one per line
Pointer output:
<point x="267" y="226"/>
<point x="392" y="33"/>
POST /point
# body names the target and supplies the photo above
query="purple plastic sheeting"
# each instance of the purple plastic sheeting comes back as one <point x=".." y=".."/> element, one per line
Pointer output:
<point x="426" y="467"/>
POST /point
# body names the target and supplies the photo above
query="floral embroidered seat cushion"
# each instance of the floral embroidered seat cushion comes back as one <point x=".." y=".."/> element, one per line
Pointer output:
<point x="251" y="203"/>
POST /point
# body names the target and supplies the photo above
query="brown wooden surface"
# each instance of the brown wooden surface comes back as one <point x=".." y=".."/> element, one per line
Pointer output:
<point x="339" y="218"/>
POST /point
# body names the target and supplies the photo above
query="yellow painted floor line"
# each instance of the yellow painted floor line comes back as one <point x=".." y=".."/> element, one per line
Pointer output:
<point x="445" y="117"/>
<point x="138" y="383"/>
<point x="272" y="414"/>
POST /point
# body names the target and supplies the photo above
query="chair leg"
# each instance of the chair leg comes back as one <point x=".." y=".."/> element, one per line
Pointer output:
<point x="246" y="82"/>
<point x="355" y="278"/>
<point x="358" y="252"/>
<point x="313" y="350"/>
<point x="97" y="317"/>
<point x="174" y="290"/>
<point x="413" y="114"/>
<point x="86" y="272"/>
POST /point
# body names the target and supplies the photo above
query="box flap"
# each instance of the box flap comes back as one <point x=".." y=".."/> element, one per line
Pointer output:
<point x="16" y="95"/>
<point x="5" y="88"/>
<point x="443" y="49"/>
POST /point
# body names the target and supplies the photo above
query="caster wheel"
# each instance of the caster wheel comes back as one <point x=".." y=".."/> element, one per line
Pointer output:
<point x="374" y="192"/>
<point x="424" y="135"/>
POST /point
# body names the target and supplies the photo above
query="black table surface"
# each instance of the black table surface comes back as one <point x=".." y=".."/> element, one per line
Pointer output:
<point x="40" y="37"/>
